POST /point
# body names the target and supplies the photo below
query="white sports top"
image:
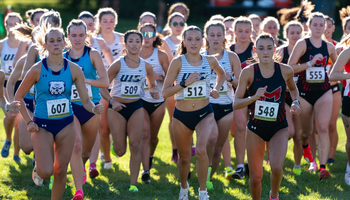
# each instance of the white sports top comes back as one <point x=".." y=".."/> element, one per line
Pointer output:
<point x="172" y="45"/>
<point x="96" y="46"/>
<point x="116" y="47"/>
<point x="199" y="89"/>
<point x="7" y="56"/>
<point x="128" y="83"/>
<point x="226" y="90"/>
<point x="157" y="68"/>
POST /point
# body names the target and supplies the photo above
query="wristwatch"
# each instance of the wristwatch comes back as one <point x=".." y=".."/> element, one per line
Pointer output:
<point x="232" y="78"/>
<point x="182" y="84"/>
<point x="6" y="107"/>
<point x="296" y="100"/>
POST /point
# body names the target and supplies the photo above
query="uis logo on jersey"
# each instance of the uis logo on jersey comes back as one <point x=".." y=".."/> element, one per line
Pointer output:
<point x="275" y="95"/>
<point x="320" y="63"/>
<point x="131" y="78"/>
<point x="115" y="52"/>
<point x="56" y="88"/>
<point x="9" y="57"/>
<point x="203" y="76"/>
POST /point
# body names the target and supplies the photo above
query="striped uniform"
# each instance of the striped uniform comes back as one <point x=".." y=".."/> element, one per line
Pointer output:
<point x="96" y="45"/>
<point x="172" y="45"/>
<point x="116" y="47"/>
<point x="7" y="56"/>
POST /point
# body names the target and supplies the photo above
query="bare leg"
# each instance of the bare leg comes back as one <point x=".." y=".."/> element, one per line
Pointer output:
<point x="333" y="133"/>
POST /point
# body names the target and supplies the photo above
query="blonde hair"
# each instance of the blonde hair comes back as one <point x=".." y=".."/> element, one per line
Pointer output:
<point x="41" y="38"/>
<point x="78" y="22"/>
<point x="99" y="15"/>
<point x="267" y="20"/>
<point x="212" y="23"/>
<point x="289" y="24"/>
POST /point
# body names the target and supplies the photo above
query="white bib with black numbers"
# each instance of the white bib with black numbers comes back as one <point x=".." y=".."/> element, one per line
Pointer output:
<point x="31" y="91"/>
<point x="266" y="111"/>
<point x="315" y="75"/>
<point x="223" y="89"/>
<point x="145" y="86"/>
<point x="75" y="95"/>
<point x="8" y="68"/>
<point x="131" y="89"/>
<point x="196" y="91"/>
<point x="57" y="108"/>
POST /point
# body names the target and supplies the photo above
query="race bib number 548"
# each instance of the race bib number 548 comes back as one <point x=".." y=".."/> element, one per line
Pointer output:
<point x="266" y="111"/>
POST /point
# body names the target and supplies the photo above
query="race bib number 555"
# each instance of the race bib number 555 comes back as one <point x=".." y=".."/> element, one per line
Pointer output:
<point x="315" y="75"/>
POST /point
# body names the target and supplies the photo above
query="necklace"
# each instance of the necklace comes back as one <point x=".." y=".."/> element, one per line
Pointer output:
<point x="137" y="62"/>
<point x="193" y="61"/>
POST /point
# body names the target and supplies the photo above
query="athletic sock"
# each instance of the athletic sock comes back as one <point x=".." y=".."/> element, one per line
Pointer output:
<point x="323" y="166"/>
<point x="296" y="166"/>
<point x="240" y="166"/>
<point x="305" y="146"/>
<point x="174" y="151"/>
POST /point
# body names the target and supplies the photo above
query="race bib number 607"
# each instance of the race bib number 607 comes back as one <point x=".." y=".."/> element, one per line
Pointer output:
<point x="57" y="108"/>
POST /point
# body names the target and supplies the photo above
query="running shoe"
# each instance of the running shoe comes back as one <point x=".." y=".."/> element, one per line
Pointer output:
<point x="347" y="174"/>
<point x="193" y="150"/>
<point x="330" y="161"/>
<point x="313" y="167"/>
<point x="84" y="177"/>
<point x="5" y="149"/>
<point x="324" y="174"/>
<point x="133" y="188"/>
<point x="175" y="158"/>
<point x="228" y="172"/>
<point x="184" y="192"/>
<point x="17" y="159"/>
<point x="307" y="154"/>
<point x="51" y="182"/>
<point x="239" y="173"/>
<point x="93" y="173"/>
<point x="203" y="195"/>
<point x="273" y="198"/>
<point x="297" y="171"/>
<point x="146" y="177"/>
<point x="150" y="162"/>
<point x="209" y="183"/>
<point x="79" y="195"/>
<point x="107" y="165"/>
<point x="36" y="178"/>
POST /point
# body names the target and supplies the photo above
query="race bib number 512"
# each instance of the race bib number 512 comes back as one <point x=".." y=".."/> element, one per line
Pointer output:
<point x="196" y="91"/>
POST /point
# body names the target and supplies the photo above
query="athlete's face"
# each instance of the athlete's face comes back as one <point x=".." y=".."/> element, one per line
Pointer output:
<point x="272" y="28"/>
<point x="317" y="26"/>
<point x="229" y="30"/>
<point x="193" y="41"/>
<point x="54" y="42"/>
<point x="90" y="24"/>
<point x="256" y="25"/>
<point x="243" y="32"/>
<point x="329" y="29"/>
<point x="133" y="44"/>
<point x="148" y="42"/>
<point x="294" y="34"/>
<point x="215" y="37"/>
<point x="147" y="19"/>
<point x="265" y="48"/>
<point x="11" y="22"/>
<point x="347" y="28"/>
<point x="36" y="19"/>
<point x="176" y="27"/>
<point x="181" y="10"/>
<point x="107" y="23"/>
<point x="77" y="36"/>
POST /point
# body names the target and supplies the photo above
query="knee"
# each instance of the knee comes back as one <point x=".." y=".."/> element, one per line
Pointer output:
<point x="134" y="146"/>
<point x="212" y="139"/>
<point x="276" y="170"/>
<point x="44" y="172"/>
<point x="201" y="153"/>
<point x="255" y="179"/>
<point x="60" y="171"/>
<point x="26" y="149"/>
<point x="145" y="136"/>
<point x="77" y="147"/>
<point x="332" y="127"/>
<point x="185" y="160"/>
<point x="154" y="140"/>
<point x="240" y="126"/>
<point x="322" y="129"/>
<point x="119" y="151"/>
<point x="217" y="151"/>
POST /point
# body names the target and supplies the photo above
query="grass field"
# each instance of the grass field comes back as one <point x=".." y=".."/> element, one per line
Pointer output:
<point x="16" y="182"/>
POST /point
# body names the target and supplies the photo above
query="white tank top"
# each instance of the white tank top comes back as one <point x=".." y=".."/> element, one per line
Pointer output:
<point x="116" y="47"/>
<point x="199" y="89"/>
<point x="226" y="90"/>
<point x="96" y="45"/>
<point x="7" y="56"/>
<point x="172" y="45"/>
<point x="128" y="83"/>
<point x="157" y="68"/>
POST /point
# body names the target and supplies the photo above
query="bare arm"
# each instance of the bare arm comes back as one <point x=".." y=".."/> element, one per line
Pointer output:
<point x="337" y="73"/>
<point x="112" y="71"/>
<point x="30" y="61"/>
<point x="166" y="48"/>
<point x="22" y="49"/>
<point x="298" y="51"/>
<point x="14" y="106"/>
<point x="164" y="61"/>
<point x="105" y="50"/>
<point x="153" y="90"/>
<point x="15" y="75"/>
<point x="102" y="81"/>
<point x="236" y="67"/>
<point x="174" y="69"/>
<point x="218" y="70"/>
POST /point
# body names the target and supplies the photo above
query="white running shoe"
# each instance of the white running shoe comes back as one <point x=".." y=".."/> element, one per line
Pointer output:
<point x="313" y="167"/>
<point x="107" y="165"/>
<point x="347" y="174"/>
<point x="184" y="192"/>
<point x="36" y="178"/>
<point x="203" y="195"/>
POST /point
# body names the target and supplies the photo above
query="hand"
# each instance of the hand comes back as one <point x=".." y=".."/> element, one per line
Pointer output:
<point x="193" y="78"/>
<point x="316" y="58"/>
<point x="117" y="106"/>
<point x="214" y="93"/>
<point x="154" y="93"/>
<point x="227" y="76"/>
<point x="158" y="77"/>
<point x="260" y="93"/>
<point x="14" y="107"/>
<point x="32" y="127"/>
<point x="295" y="108"/>
<point x="98" y="109"/>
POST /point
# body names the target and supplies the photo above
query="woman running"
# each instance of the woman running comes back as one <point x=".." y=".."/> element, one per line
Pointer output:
<point x="272" y="26"/>
<point x="309" y="58"/>
<point x="8" y="49"/>
<point x="256" y="21"/>
<point x="52" y="124"/>
<point x="230" y="38"/>
<point x="176" y="7"/>
<point x="266" y="82"/>
<point x="125" y="106"/>
<point x="191" y="73"/>
<point x="154" y="109"/>
<point x="222" y="106"/>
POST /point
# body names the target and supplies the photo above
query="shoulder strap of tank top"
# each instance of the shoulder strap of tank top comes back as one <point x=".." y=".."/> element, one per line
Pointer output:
<point x="116" y="37"/>
<point x="65" y="61"/>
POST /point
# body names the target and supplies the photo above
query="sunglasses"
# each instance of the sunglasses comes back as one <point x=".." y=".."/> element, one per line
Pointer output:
<point x="182" y="24"/>
<point x="148" y="34"/>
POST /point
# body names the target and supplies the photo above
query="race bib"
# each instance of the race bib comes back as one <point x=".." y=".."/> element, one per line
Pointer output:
<point x="131" y="89"/>
<point x="31" y="91"/>
<point x="8" y="68"/>
<point x="223" y="89"/>
<point x="57" y="108"/>
<point x="196" y="91"/>
<point x="145" y="86"/>
<point x="315" y="75"/>
<point x="75" y="95"/>
<point x="266" y="111"/>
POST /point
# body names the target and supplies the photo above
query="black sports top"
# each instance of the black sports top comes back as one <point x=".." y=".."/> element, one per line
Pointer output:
<point x="275" y="92"/>
<point x="285" y="55"/>
<point x="311" y="51"/>
<point x="245" y="56"/>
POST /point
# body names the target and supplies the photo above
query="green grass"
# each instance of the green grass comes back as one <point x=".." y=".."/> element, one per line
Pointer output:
<point x="16" y="182"/>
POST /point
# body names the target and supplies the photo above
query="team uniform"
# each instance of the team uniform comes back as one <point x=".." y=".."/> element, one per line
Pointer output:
<point x="90" y="73"/>
<point x="268" y="115"/>
<point x="52" y="94"/>
<point x="335" y="88"/>
<point x="128" y="84"/>
<point x="7" y="56"/>
<point x="29" y="98"/>
<point x="150" y="104"/>
<point x="245" y="56"/>
<point x="346" y="94"/>
<point x="313" y="82"/>
<point x="116" y="47"/>
<point x="196" y="91"/>
<point x="223" y="105"/>
<point x="172" y="45"/>
<point x="285" y="57"/>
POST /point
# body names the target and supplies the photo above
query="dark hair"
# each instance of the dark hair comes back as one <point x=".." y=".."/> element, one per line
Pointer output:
<point x="130" y="32"/>
<point x="149" y="14"/>
<point x="212" y="24"/>
<point x="175" y="14"/>
<point x="99" y="15"/>
<point x="217" y="17"/>
<point x="86" y="14"/>
<point x="275" y="57"/>
<point x="229" y="19"/>
<point x="315" y="14"/>
<point x="305" y="10"/>
<point x="158" y="42"/>
<point x="182" y="49"/>
<point x="30" y="14"/>
<point x="22" y="31"/>
<point x="176" y="5"/>
<point x="54" y="16"/>
<point x="328" y="18"/>
<point x="289" y="24"/>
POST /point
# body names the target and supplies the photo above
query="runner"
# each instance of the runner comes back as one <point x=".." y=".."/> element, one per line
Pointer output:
<point x="272" y="26"/>
<point x="230" y="38"/>
<point x="256" y="20"/>
<point x="176" y="7"/>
